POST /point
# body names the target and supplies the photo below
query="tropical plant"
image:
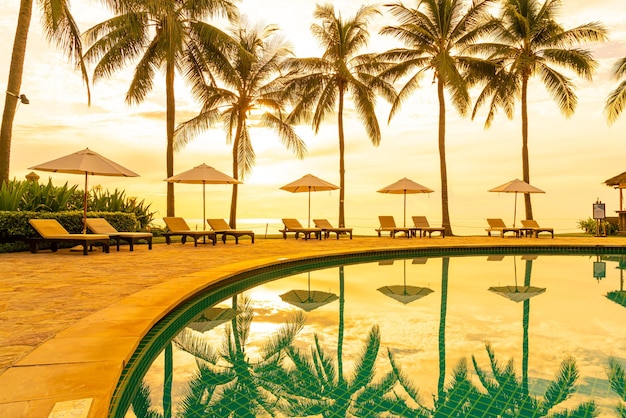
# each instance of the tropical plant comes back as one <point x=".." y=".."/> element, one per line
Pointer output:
<point x="60" y="27"/>
<point x="117" y="201"/>
<point x="530" y="42"/>
<point x="442" y="37"/>
<point x="617" y="98"/>
<point x="231" y="382"/>
<point x="318" y="87"/>
<point x="617" y="380"/>
<point x="25" y="195"/>
<point x="236" y="83"/>
<point x="156" y="35"/>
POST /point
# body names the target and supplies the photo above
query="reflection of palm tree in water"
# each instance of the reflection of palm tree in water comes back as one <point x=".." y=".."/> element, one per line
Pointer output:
<point x="326" y="390"/>
<point x="229" y="381"/>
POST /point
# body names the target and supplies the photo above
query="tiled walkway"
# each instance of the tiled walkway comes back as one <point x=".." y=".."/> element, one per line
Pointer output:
<point x="69" y="322"/>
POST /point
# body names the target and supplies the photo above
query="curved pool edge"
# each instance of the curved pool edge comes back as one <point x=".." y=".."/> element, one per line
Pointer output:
<point x="86" y="360"/>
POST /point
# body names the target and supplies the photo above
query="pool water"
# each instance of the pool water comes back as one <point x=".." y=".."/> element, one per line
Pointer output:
<point x="485" y="335"/>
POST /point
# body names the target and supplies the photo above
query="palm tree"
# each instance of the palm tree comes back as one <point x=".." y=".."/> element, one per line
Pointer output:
<point x="319" y="86"/>
<point x="230" y="382"/>
<point x="60" y="27"/>
<point x="530" y="43"/>
<point x="233" y="82"/>
<point x="156" y="35"/>
<point x="441" y="36"/>
<point x="617" y="99"/>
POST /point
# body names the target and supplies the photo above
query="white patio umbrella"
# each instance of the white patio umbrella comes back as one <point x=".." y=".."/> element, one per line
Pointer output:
<point x="309" y="183"/>
<point x="203" y="174"/>
<point x="516" y="186"/>
<point x="405" y="186"/>
<point x="85" y="162"/>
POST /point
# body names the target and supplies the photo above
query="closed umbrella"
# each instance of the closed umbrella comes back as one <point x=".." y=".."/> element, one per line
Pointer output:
<point x="309" y="183"/>
<point x="85" y="162"/>
<point x="516" y="186"/>
<point x="405" y="186"/>
<point x="203" y="174"/>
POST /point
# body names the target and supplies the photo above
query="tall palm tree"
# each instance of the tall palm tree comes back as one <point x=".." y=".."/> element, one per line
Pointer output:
<point x="617" y="98"/>
<point x="155" y="34"/>
<point x="235" y="82"/>
<point x="442" y="37"/>
<point x="60" y="27"/>
<point x="318" y="87"/>
<point x="530" y="43"/>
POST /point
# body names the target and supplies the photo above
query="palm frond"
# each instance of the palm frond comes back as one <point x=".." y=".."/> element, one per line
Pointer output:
<point x="562" y="386"/>
<point x="560" y="88"/>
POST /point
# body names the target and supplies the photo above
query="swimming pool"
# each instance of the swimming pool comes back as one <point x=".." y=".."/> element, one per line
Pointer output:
<point x="564" y="320"/>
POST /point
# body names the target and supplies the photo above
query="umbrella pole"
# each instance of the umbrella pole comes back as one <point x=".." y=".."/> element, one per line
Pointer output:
<point x="309" y="223"/>
<point x="203" y="212"/>
<point x="515" y="210"/>
<point x="203" y="207"/>
<point x="404" y="225"/>
<point x="85" y="206"/>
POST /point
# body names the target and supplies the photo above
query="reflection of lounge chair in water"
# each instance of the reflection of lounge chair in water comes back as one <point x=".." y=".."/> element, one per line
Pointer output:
<point x="498" y="225"/>
<point x="535" y="228"/>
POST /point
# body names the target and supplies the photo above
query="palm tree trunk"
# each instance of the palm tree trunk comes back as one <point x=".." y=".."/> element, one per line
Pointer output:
<point x="233" y="200"/>
<point x="445" y="215"/>
<point x="168" y="370"/>
<point x="342" y="301"/>
<point x="525" y="158"/>
<point x="525" y="325"/>
<point x="14" y="85"/>
<point x="442" y="329"/>
<point x="342" y="168"/>
<point x="170" y="125"/>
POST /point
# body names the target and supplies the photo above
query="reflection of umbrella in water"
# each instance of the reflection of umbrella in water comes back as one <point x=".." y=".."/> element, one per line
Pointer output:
<point x="85" y="162"/>
<point x="211" y="318"/>
<point x="309" y="183"/>
<point x="203" y="174"/>
<point x="516" y="186"/>
<point x="405" y="293"/>
<point x="308" y="299"/>
<point x="405" y="186"/>
<point x="517" y="293"/>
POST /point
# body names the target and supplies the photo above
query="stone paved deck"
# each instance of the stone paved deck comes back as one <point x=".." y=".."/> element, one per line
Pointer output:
<point x="67" y="317"/>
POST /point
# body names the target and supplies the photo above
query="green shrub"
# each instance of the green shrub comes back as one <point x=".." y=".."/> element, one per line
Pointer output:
<point x="589" y="226"/>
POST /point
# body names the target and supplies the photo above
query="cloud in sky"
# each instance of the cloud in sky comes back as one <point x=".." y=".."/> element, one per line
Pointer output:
<point x="569" y="158"/>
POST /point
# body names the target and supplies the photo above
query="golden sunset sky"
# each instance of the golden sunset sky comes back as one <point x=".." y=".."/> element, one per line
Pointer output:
<point x="570" y="158"/>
